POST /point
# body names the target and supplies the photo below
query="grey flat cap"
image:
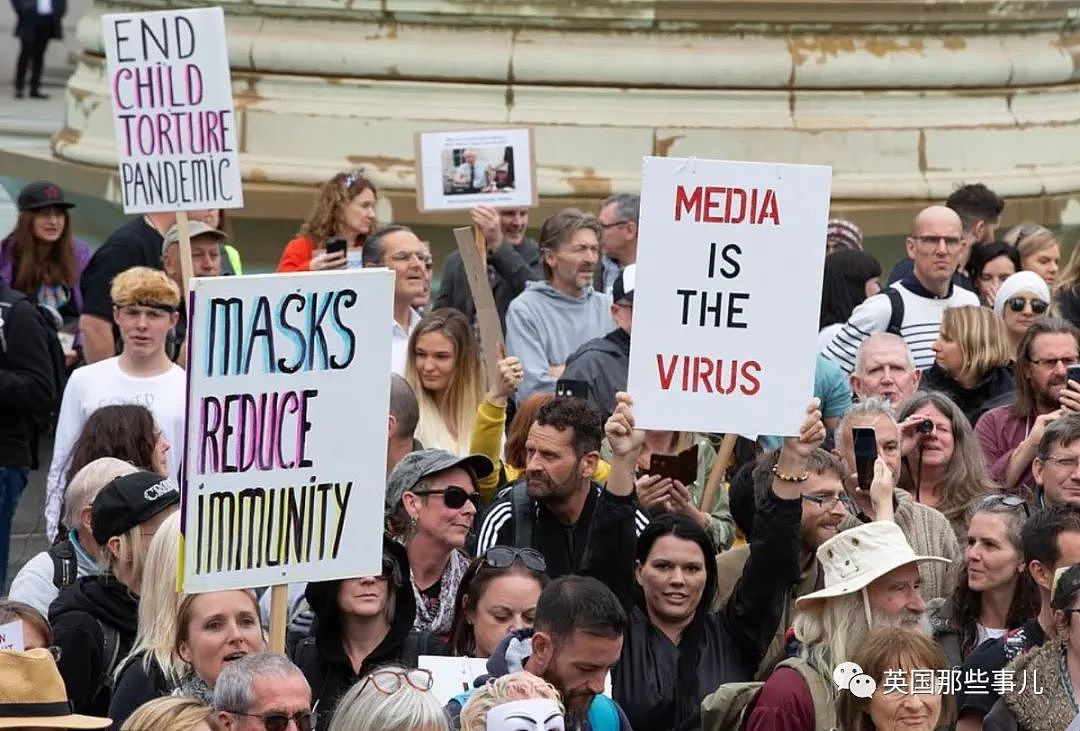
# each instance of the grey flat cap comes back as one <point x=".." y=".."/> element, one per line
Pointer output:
<point x="426" y="462"/>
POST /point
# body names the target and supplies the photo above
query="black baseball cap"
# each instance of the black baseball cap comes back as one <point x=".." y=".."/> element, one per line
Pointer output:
<point x="129" y="501"/>
<point x="42" y="194"/>
<point x="623" y="289"/>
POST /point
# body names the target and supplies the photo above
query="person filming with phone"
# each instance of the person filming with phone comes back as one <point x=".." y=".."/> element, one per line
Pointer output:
<point x="336" y="229"/>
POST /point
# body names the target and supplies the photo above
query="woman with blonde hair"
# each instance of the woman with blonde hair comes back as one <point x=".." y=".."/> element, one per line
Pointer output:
<point x="522" y="694"/>
<point x="151" y="669"/>
<point x="345" y="209"/>
<point x="895" y="653"/>
<point x="95" y="620"/>
<point x="172" y="714"/>
<point x="443" y="369"/>
<point x="1039" y="249"/>
<point x="972" y="354"/>
<point x="392" y="698"/>
<point x="943" y="466"/>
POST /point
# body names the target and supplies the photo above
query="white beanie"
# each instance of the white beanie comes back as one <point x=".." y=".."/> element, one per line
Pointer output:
<point x="1018" y="284"/>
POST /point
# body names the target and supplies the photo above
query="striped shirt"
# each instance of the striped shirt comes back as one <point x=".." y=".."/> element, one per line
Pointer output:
<point x="919" y="328"/>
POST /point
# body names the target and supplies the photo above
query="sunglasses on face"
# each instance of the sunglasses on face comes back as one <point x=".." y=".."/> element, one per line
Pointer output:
<point x="1017" y="304"/>
<point x="455" y="497"/>
<point x="389" y="682"/>
<point x="503" y="557"/>
<point x="305" y="720"/>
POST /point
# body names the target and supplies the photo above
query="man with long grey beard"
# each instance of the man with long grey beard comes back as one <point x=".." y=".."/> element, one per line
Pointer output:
<point x="871" y="581"/>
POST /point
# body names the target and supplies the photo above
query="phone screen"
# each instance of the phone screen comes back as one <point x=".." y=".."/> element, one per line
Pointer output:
<point x="865" y="443"/>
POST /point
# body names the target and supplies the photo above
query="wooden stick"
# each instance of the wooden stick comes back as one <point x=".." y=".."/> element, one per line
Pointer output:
<point x="491" y="334"/>
<point x="481" y="242"/>
<point x="708" y="495"/>
<point x="279" y="606"/>
<point x="186" y="269"/>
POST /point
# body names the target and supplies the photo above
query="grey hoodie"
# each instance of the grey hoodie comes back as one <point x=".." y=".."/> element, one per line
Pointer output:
<point x="544" y="326"/>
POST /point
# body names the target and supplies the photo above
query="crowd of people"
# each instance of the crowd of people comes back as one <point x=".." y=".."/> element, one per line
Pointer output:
<point x="926" y="517"/>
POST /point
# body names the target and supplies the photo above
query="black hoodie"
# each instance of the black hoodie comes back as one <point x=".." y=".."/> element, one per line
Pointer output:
<point x="78" y="616"/>
<point x="603" y="363"/>
<point x="322" y="656"/>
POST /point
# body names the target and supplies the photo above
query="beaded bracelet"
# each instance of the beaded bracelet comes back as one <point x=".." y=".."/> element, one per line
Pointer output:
<point x="789" y="478"/>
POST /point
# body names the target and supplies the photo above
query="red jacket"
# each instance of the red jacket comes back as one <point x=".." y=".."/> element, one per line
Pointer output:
<point x="297" y="255"/>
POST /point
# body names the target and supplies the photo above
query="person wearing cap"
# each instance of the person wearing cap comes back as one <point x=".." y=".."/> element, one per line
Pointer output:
<point x="911" y="307"/>
<point x="842" y="235"/>
<point x="1022" y="298"/>
<point x="553" y="318"/>
<point x="42" y="258"/>
<point x="94" y="620"/>
<point x="618" y="218"/>
<point x="603" y="363"/>
<point x="1009" y="432"/>
<point x="1054" y="664"/>
<point x="363" y="623"/>
<point x="431" y="502"/>
<point x="206" y="259"/>
<point x="33" y="695"/>
<point x="871" y="580"/>
<point x="145" y="305"/>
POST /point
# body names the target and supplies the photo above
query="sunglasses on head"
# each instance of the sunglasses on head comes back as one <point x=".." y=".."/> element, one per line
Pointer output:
<point x="1014" y="502"/>
<point x="454" y="496"/>
<point x="389" y="682"/>
<point x="305" y="720"/>
<point x="1017" y="304"/>
<point x="503" y="557"/>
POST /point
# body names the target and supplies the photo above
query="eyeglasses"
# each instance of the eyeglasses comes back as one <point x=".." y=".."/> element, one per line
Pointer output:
<point x="827" y="502"/>
<point x="1012" y="501"/>
<point x="1017" y="304"/>
<point x="421" y="256"/>
<point x="1069" y="463"/>
<point x="503" y="557"/>
<point x="606" y="226"/>
<point x="1066" y="361"/>
<point x="391" y="681"/>
<point x="455" y="497"/>
<point x="951" y="242"/>
<point x="273" y="721"/>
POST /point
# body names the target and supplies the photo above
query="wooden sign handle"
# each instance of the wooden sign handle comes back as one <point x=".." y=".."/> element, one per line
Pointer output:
<point x="279" y="607"/>
<point x="491" y="334"/>
<point x="708" y="495"/>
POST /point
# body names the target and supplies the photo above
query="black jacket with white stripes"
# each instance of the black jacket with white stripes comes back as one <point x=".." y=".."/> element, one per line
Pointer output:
<point x="568" y="549"/>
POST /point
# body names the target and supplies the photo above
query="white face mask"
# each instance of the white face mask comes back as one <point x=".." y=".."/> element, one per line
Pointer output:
<point x="536" y="714"/>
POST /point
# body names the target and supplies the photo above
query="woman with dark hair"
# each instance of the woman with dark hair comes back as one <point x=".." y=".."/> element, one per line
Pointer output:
<point x="498" y="594"/>
<point x="989" y="266"/>
<point x="675" y="650"/>
<point x="42" y="258"/>
<point x="851" y="275"/>
<point x="362" y="623"/>
<point x="994" y="592"/>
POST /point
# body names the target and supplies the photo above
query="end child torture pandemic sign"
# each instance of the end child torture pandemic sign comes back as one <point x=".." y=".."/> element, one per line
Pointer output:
<point x="285" y="451"/>
<point x="172" y="104"/>
<point x="727" y="296"/>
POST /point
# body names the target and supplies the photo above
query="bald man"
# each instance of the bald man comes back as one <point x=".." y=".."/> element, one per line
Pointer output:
<point x="912" y="307"/>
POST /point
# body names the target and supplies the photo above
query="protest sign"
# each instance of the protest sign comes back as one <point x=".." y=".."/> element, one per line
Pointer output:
<point x="285" y="451"/>
<point x="452" y="676"/>
<point x="168" y="73"/>
<point x="495" y="167"/>
<point x="11" y="636"/>
<point x="728" y="290"/>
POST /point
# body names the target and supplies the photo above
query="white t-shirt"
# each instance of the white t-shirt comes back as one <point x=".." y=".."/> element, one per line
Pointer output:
<point x="103" y="384"/>
<point x="399" y="346"/>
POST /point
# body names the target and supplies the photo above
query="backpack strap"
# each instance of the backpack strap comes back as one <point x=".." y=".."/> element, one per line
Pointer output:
<point x="65" y="564"/>
<point x="822" y="691"/>
<point x="523" y="513"/>
<point x="111" y="655"/>
<point x="603" y="715"/>
<point x="896" y="317"/>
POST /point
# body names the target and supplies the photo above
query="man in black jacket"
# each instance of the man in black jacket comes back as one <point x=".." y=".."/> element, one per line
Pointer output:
<point x="39" y="21"/>
<point x="604" y="363"/>
<point x="512" y="260"/>
<point x="26" y="389"/>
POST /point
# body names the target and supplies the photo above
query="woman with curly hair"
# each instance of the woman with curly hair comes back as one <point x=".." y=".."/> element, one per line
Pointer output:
<point x="344" y="209"/>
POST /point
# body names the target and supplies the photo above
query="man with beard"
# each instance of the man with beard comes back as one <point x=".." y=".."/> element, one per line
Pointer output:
<point x="512" y="260"/>
<point x="1009" y="435"/>
<point x="558" y="509"/>
<point x="871" y="581"/>
<point x="574" y="642"/>
<point x="553" y="318"/>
